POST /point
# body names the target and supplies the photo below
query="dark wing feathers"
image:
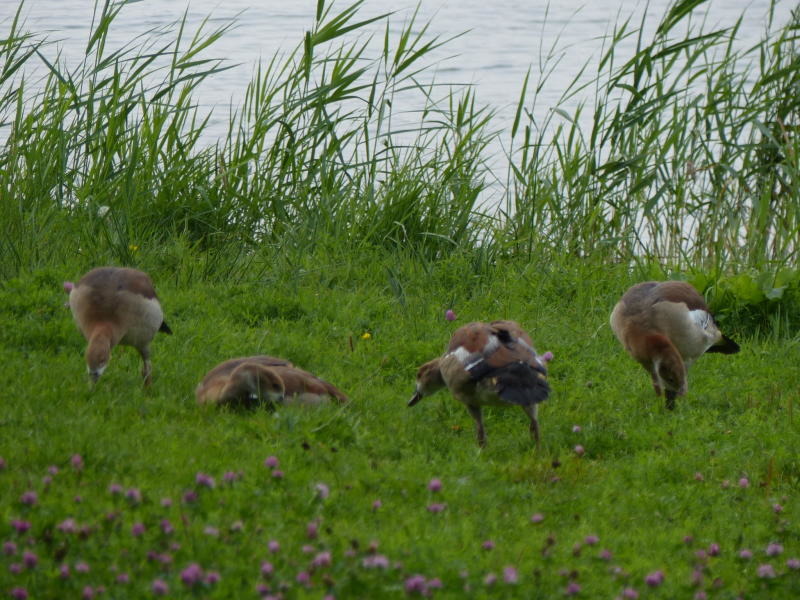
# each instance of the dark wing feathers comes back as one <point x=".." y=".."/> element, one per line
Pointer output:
<point x="503" y="334"/>
<point x="522" y="384"/>
<point x="515" y="346"/>
<point x="510" y="364"/>
<point x="513" y="329"/>
<point x="479" y="368"/>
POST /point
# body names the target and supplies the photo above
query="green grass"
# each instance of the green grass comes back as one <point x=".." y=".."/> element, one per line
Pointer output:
<point x="634" y="488"/>
<point x="316" y="220"/>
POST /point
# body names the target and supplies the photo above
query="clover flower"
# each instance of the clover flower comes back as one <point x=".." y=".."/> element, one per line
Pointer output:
<point x="204" y="480"/>
<point x="160" y="587"/>
<point x="766" y="571"/>
<point x="510" y="574"/>
<point x="192" y="575"/>
<point x="654" y="579"/>
<point x="29" y="498"/>
<point x="774" y="549"/>
<point x="572" y="589"/>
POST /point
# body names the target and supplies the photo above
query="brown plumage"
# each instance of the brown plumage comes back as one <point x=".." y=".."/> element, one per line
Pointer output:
<point x="247" y="381"/>
<point x="488" y="364"/>
<point x="111" y="306"/>
<point x="665" y="326"/>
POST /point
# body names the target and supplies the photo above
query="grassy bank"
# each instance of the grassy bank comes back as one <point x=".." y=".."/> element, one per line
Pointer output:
<point x="721" y="469"/>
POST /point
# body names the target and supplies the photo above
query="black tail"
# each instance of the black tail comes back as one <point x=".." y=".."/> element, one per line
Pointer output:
<point x="522" y="384"/>
<point x="725" y="346"/>
<point x="165" y="328"/>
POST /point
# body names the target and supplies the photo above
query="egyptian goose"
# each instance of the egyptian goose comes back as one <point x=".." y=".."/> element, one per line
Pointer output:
<point x="111" y="306"/>
<point x="246" y="381"/>
<point x="665" y="326"/>
<point x="489" y="364"/>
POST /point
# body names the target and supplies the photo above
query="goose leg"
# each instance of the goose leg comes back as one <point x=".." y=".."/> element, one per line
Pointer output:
<point x="147" y="367"/>
<point x="656" y="383"/>
<point x="475" y="413"/>
<point x="532" y="412"/>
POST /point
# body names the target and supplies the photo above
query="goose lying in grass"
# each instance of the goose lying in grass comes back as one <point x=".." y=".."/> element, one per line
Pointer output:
<point x="665" y="326"/>
<point x="113" y="306"/>
<point x="489" y="364"/>
<point x="247" y="381"/>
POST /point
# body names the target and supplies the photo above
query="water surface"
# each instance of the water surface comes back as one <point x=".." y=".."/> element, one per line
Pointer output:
<point x="501" y="40"/>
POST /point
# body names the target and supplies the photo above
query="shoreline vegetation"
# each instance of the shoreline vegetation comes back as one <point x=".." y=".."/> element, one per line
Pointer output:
<point x="690" y="161"/>
<point x="322" y="231"/>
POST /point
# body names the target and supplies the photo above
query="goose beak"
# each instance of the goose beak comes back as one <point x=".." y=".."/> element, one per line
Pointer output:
<point x="94" y="374"/>
<point x="415" y="398"/>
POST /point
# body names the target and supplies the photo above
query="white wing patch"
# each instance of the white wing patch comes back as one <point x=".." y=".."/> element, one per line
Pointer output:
<point x="474" y="363"/>
<point x="492" y="345"/>
<point x="470" y="359"/>
<point x="461" y="354"/>
<point x="702" y="319"/>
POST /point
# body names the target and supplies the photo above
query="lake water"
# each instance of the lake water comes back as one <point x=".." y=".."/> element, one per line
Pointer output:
<point x="503" y="38"/>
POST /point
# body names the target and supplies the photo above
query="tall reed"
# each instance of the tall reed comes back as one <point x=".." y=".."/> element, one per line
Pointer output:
<point x="106" y="159"/>
<point x="686" y="154"/>
<point x="689" y="157"/>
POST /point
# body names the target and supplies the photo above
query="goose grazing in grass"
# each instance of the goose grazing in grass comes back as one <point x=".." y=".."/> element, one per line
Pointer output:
<point x="247" y="381"/>
<point x="111" y="306"/>
<point x="489" y="364"/>
<point x="665" y="326"/>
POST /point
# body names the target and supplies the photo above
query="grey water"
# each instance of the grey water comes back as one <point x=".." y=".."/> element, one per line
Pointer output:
<point x="501" y="39"/>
